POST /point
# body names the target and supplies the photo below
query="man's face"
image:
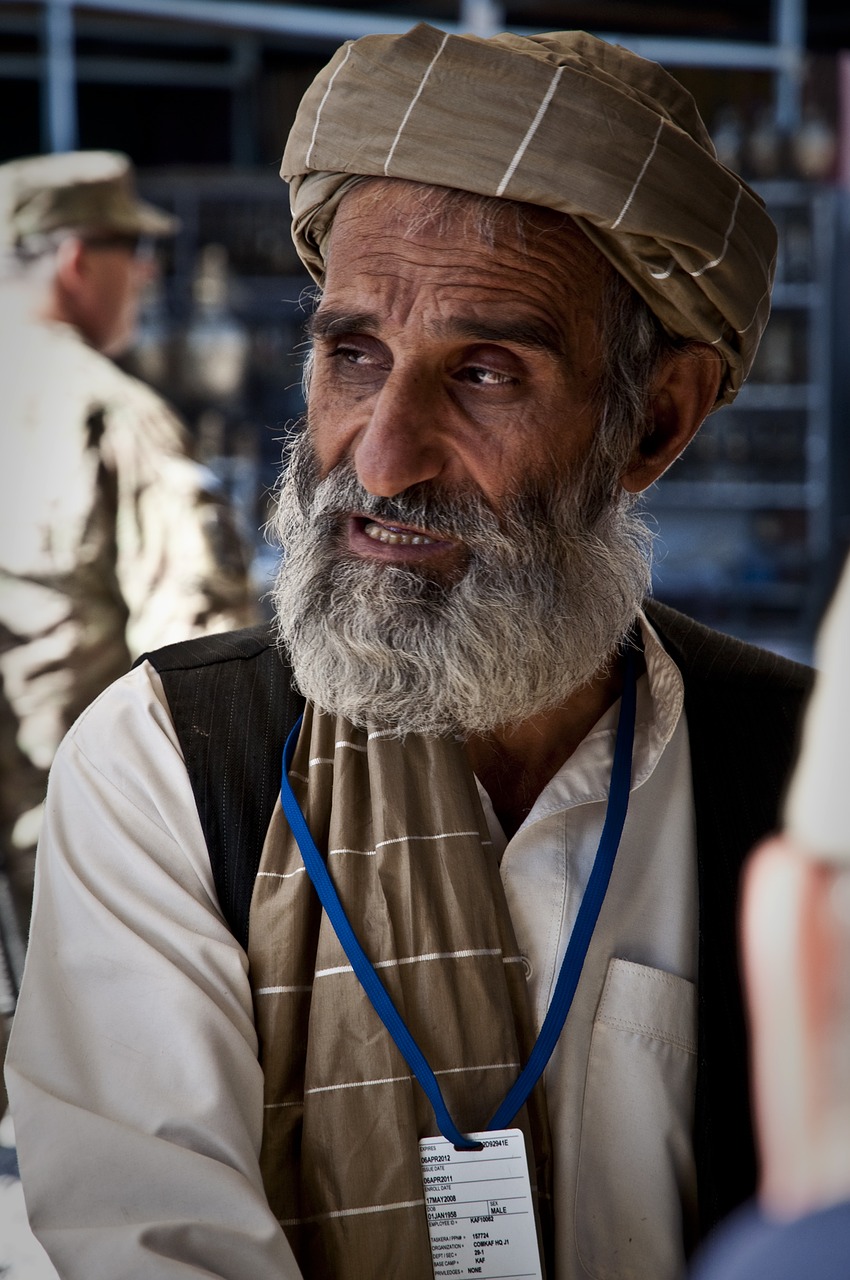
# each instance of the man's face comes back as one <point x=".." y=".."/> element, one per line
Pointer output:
<point x="442" y="358"/>
<point x="116" y="276"/>
<point x="458" y="555"/>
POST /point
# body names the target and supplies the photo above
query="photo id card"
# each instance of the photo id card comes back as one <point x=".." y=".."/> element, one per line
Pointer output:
<point x="480" y="1211"/>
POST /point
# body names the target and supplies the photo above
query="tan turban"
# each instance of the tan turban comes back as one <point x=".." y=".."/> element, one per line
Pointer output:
<point x="565" y="121"/>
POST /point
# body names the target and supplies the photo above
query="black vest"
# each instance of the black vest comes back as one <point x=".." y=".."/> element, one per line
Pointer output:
<point x="233" y="702"/>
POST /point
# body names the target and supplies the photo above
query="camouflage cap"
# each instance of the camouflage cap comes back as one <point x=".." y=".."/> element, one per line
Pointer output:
<point x="85" y="191"/>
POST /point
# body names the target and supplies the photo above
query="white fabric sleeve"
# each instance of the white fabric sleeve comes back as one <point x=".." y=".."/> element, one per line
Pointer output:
<point x="818" y="807"/>
<point x="132" y="1069"/>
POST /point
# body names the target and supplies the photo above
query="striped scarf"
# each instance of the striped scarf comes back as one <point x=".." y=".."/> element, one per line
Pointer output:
<point x="408" y="850"/>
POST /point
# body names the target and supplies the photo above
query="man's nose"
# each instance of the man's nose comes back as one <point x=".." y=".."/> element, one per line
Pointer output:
<point x="403" y="442"/>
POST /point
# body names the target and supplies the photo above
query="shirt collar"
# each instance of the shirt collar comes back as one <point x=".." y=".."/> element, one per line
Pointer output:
<point x="585" y="776"/>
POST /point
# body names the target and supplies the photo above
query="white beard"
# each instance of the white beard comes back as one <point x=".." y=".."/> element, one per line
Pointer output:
<point x="548" y="595"/>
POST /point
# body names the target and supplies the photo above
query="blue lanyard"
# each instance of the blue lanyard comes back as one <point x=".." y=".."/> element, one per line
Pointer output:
<point x="571" y="966"/>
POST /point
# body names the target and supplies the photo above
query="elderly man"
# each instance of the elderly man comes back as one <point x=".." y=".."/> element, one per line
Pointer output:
<point x="113" y="539"/>
<point x="493" y="912"/>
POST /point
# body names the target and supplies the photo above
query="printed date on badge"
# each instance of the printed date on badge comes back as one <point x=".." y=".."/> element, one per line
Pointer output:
<point x="479" y="1206"/>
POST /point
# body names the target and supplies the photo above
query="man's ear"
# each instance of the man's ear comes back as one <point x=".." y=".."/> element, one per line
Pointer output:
<point x="70" y="261"/>
<point x="682" y="395"/>
<point x="71" y="289"/>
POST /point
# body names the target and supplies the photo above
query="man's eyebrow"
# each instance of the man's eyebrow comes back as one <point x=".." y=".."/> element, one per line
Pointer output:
<point x="331" y="324"/>
<point x="535" y="334"/>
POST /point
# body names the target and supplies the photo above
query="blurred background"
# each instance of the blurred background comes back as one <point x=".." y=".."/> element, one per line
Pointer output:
<point x="753" y="523"/>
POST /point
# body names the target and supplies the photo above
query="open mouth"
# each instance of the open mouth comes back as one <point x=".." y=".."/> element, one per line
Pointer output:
<point x="393" y="535"/>
<point x="386" y="536"/>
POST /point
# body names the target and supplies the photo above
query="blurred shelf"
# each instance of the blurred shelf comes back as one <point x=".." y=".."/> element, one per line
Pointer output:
<point x="740" y="495"/>
<point x="744" y="523"/>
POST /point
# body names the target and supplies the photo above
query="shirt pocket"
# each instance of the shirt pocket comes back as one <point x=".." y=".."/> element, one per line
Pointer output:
<point x="636" y="1187"/>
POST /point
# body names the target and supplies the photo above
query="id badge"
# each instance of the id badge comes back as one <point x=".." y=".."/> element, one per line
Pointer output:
<point x="480" y="1211"/>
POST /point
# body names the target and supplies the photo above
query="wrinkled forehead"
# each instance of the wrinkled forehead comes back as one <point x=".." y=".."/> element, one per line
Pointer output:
<point x="381" y="225"/>
<point x="415" y="207"/>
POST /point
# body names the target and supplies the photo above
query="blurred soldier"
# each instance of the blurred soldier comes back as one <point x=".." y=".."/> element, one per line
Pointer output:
<point x="112" y="538"/>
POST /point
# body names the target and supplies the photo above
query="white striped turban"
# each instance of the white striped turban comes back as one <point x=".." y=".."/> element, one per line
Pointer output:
<point x="565" y="121"/>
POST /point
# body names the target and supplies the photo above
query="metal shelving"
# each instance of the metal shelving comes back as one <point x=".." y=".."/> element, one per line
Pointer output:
<point x="241" y="27"/>
<point x="744" y="520"/>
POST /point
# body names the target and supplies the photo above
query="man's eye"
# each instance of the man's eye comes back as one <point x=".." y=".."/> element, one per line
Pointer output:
<point x="351" y="355"/>
<point x="483" y="377"/>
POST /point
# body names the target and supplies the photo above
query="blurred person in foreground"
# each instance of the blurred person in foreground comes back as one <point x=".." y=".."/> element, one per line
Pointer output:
<point x="796" y="942"/>
<point x="112" y="538"/>
<point x="531" y="787"/>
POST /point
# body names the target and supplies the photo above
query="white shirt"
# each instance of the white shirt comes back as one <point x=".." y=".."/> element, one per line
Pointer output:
<point x="132" y="1067"/>
<point x="620" y="1085"/>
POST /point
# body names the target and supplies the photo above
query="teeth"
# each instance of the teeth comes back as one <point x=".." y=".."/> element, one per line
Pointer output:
<point x="380" y="533"/>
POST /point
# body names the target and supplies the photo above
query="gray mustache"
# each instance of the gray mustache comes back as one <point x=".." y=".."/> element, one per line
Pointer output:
<point x="456" y="514"/>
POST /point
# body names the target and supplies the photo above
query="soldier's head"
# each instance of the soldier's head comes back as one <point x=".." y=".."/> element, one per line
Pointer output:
<point x="75" y="241"/>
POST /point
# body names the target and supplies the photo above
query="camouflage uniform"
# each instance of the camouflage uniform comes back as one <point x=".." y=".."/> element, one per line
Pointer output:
<point x="113" y="540"/>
